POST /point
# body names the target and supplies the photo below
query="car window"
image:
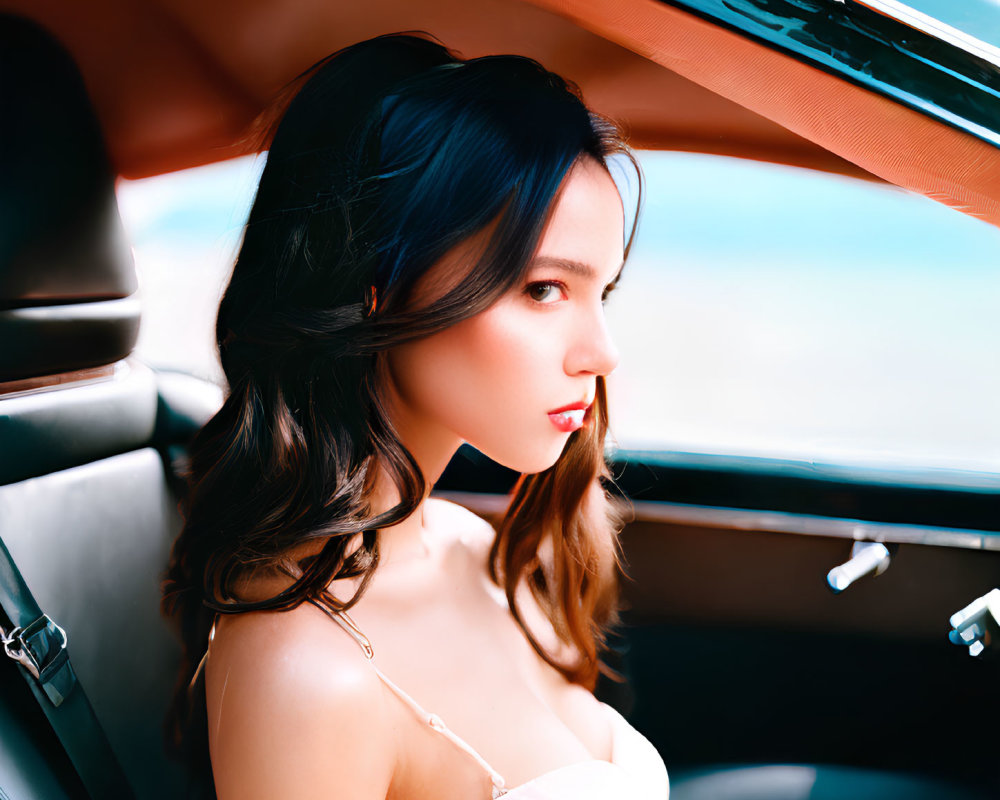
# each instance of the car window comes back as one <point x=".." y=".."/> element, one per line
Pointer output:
<point x="979" y="19"/>
<point x="766" y="310"/>
<point x="185" y="228"/>
<point x="781" y="312"/>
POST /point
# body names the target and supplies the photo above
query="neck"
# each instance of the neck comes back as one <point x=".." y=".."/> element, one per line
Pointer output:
<point x="432" y="448"/>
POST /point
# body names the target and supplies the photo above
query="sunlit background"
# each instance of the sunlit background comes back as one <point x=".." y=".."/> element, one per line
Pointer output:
<point x="978" y="18"/>
<point x="766" y="311"/>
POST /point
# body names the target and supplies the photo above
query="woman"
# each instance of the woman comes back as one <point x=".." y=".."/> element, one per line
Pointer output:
<point x="424" y="265"/>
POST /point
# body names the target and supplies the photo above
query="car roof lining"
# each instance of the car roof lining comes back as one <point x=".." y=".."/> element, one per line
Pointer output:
<point x="177" y="82"/>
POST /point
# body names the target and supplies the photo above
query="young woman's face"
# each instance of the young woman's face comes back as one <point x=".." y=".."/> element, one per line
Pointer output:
<point x="514" y="380"/>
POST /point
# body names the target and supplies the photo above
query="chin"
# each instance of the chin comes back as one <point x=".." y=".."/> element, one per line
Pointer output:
<point x="528" y="461"/>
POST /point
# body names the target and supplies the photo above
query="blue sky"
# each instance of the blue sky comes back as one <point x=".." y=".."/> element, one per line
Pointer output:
<point x="979" y="18"/>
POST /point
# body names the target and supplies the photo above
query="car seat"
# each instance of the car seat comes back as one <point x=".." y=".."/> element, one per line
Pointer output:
<point x="88" y="438"/>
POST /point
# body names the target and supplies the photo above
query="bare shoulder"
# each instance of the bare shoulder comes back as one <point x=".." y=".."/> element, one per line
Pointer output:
<point x="296" y="711"/>
<point x="462" y="527"/>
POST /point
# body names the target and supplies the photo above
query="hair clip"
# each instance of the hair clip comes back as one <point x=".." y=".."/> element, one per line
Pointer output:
<point x="371" y="301"/>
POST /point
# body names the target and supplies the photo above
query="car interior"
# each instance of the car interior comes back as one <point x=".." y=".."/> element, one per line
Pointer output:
<point x="753" y="672"/>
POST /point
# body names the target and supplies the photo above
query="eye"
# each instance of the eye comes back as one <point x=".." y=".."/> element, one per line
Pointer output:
<point x="546" y="292"/>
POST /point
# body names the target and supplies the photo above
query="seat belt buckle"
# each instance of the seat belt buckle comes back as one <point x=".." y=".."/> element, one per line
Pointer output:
<point x="40" y="647"/>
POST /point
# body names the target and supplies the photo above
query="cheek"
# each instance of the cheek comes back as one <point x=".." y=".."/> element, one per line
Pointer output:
<point x="466" y="371"/>
<point x="488" y="379"/>
<point x="502" y="355"/>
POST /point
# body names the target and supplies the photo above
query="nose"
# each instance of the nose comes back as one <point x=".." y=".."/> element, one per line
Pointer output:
<point x="593" y="351"/>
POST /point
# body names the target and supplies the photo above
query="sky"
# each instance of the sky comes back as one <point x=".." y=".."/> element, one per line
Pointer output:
<point x="978" y="18"/>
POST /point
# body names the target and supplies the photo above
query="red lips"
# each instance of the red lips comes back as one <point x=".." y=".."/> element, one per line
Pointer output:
<point x="570" y="418"/>
<point x="571" y="407"/>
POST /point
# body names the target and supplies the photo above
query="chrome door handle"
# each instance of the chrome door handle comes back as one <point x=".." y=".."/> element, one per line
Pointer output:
<point x="866" y="557"/>
<point x="978" y="623"/>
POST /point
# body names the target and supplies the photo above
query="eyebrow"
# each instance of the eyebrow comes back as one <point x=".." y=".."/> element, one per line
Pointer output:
<point x="570" y="265"/>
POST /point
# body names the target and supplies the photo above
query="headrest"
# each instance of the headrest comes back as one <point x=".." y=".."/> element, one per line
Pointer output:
<point x="51" y="428"/>
<point x="100" y="413"/>
<point x="67" y="279"/>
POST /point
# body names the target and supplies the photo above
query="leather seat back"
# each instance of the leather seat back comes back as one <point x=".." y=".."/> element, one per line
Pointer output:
<point x="88" y="507"/>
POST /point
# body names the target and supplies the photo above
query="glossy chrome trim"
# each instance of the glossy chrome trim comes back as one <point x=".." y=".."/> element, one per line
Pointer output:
<point x="813" y="525"/>
<point x="770" y="521"/>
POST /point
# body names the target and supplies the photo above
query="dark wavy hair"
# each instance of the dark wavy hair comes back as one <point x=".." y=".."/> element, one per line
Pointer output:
<point x="388" y="154"/>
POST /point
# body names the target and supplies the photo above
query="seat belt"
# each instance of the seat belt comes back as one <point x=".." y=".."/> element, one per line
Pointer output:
<point x="38" y="645"/>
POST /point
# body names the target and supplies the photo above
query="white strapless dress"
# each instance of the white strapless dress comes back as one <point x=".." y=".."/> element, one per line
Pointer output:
<point x="636" y="772"/>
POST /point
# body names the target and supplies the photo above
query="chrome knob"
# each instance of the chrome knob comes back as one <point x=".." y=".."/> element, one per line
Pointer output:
<point x="978" y="623"/>
<point x="866" y="557"/>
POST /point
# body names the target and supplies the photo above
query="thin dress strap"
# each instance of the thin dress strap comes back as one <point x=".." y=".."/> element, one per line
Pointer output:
<point x="433" y="720"/>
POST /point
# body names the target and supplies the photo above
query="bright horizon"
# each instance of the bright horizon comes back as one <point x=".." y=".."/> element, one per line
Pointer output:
<point x="765" y="311"/>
